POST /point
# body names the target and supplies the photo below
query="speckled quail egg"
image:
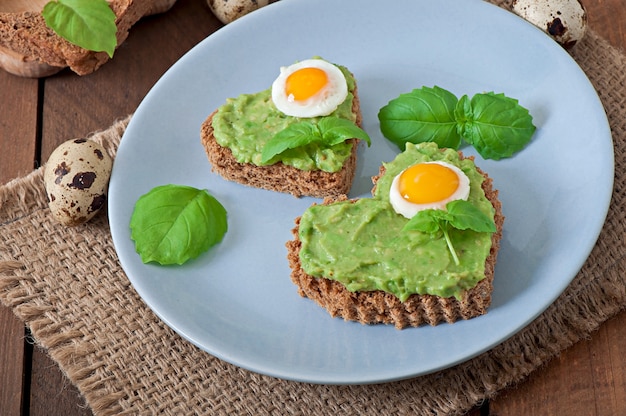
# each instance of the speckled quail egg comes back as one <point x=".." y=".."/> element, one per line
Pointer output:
<point x="564" y="20"/>
<point x="76" y="178"/>
<point x="427" y="185"/>
<point x="229" y="10"/>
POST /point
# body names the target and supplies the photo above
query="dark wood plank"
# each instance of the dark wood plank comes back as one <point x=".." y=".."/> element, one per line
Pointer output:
<point x="51" y="392"/>
<point x="609" y="366"/>
<point x="587" y="378"/>
<point x="608" y="19"/>
<point x="18" y="125"/>
<point x="11" y="362"/>
<point x="18" y="135"/>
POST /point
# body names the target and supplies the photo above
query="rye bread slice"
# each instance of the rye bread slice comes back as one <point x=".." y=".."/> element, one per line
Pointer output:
<point x="377" y="306"/>
<point x="280" y="177"/>
<point x="28" y="47"/>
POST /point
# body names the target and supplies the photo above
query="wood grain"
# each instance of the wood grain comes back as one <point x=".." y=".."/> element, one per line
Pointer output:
<point x="18" y="125"/>
<point x="51" y="389"/>
<point x="608" y="19"/>
<point x="18" y="144"/>
<point x="589" y="378"/>
<point x="12" y="362"/>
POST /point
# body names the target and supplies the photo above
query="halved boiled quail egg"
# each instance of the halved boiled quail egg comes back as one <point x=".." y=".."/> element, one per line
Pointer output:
<point x="309" y="88"/>
<point x="427" y="185"/>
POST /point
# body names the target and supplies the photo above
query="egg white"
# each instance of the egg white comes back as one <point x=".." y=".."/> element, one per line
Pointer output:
<point x="409" y="209"/>
<point x="323" y="103"/>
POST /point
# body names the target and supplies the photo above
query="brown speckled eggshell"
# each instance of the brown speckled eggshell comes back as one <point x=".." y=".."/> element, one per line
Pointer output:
<point x="564" y="20"/>
<point x="229" y="10"/>
<point x="76" y="177"/>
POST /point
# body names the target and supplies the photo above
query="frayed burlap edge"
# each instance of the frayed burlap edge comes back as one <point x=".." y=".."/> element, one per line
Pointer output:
<point x="24" y="198"/>
<point x="67" y="286"/>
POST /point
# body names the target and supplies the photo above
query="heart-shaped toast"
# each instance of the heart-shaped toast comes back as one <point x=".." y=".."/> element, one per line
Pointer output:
<point x="354" y="259"/>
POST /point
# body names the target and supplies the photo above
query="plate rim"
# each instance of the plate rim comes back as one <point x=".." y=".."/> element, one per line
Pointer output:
<point x="260" y="368"/>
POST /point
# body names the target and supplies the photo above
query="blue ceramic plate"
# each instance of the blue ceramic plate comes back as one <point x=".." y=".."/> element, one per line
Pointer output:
<point x="237" y="301"/>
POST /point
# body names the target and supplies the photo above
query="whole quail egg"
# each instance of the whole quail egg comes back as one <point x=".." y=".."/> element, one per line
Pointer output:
<point x="76" y="178"/>
<point x="229" y="10"/>
<point x="564" y="20"/>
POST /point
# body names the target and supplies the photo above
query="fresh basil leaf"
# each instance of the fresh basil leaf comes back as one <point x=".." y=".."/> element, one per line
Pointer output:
<point x="432" y="221"/>
<point x="89" y="24"/>
<point x="295" y="135"/>
<point x="496" y="125"/>
<point x="328" y="132"/>
<point x="427" y="221"/>
<point x="337" y="130"/>
<point x="175" y="223"/>
<point x="464" y="215"/>
<point x="458" y="214"/>
<point x="423" y="115"/>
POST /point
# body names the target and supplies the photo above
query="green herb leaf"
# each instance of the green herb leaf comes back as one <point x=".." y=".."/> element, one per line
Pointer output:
<point x="335" y="130"/>
<point x="465" y="216"/>
<point x="329" y="131"/>
<point x="428" y="221"/>
<point x="459" y="214"/>
<point x="423" y="115"/>
<point x="496" y="125"/>
<point x="174" y="223"/>
<point x="89" y="24"/>
<point x="296" y="135"/>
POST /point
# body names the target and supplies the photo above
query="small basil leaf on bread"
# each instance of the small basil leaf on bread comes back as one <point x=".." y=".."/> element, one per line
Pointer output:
<point x="328" y="131"/>
<point x="89" y="24"/>
<point x="465" y="216"/>
<point x="459" y="214"/>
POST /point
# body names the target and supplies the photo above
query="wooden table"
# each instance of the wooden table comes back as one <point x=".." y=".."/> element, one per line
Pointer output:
<point x="37" y="115"/>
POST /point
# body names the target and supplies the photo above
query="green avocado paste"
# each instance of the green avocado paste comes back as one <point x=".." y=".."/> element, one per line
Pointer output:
<point x="246" y="123"/>
<point x="361" y="244"/>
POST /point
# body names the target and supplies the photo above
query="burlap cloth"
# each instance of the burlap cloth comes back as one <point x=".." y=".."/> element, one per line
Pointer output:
<point x="68" y="287"/>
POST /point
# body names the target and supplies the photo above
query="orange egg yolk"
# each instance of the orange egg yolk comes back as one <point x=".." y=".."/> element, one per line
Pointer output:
<point x="305" y="83"/>
<point x="425" y="183"/>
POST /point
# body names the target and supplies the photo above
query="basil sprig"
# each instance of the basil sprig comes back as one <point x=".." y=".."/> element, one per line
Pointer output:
<point x="89" y="24"/>
<point x="459" y="214"/>
<point x="175" y="223"/>
<point x="496" y="125"/>
<point x="327" y="132"/>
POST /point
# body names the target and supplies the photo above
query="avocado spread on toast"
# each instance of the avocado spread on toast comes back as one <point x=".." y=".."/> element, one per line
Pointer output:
<point x="246" y="123"/>
<point x="361" y="243"/>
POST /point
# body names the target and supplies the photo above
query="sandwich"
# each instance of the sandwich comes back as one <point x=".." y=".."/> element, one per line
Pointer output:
<point x="299" y="137"/>
<point x="422" y="250"/>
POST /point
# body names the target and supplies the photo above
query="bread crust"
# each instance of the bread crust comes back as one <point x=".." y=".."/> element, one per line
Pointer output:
<point x="377" y="306"/>
<point x="25" y="39"/>
<point x="280" y="177"/>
